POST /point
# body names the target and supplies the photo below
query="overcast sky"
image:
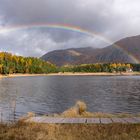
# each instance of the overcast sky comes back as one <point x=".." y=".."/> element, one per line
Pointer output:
<point x="113" y="19"/>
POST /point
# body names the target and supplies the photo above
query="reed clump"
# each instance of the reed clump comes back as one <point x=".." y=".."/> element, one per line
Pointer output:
<point x="26" y="117"/>
<point x="80" y="110"/>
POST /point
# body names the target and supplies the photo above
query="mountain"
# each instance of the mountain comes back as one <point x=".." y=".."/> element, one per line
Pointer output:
<point x="126" y="50"/>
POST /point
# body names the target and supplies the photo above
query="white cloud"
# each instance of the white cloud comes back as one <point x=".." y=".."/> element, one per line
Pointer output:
<point x="114" y="19"/>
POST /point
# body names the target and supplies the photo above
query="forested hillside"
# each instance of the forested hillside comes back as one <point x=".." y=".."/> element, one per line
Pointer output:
<point x="10" y="64"/>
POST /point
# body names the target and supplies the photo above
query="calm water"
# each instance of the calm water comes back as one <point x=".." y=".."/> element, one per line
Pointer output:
<point x="54" y="94"/>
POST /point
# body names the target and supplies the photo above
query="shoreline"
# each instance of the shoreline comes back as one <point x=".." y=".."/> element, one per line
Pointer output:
<point x="95" y="74"/>
<point x="21" y="75"/>
<point x="73" y="74"/>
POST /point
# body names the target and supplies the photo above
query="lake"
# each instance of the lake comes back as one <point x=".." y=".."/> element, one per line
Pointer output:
<point x="54" y="94"/>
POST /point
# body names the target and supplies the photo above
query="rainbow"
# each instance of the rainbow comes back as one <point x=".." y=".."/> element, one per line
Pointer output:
<point x="66" y="27"/>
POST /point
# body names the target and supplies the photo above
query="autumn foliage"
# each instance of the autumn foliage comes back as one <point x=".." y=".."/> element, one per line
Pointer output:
<point x="10" y="64"/>
<point x="112" y="67"/>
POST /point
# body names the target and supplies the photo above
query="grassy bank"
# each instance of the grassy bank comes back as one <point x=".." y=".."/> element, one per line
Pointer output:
<point x="24" y="131"/>
<point x="37" y="131"/>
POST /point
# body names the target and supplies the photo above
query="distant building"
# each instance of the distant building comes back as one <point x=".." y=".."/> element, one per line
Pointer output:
<point x="129" y="70"/>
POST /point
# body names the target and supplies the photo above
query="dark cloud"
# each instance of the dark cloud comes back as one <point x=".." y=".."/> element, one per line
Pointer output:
<point x="113" y="19"/>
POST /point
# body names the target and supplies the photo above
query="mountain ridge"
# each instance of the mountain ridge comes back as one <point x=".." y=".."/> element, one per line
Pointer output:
<point x="127" y="52"/>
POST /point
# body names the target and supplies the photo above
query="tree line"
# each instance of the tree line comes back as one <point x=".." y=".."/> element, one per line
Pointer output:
<point x="135" y="67"/>
<point x="113" y="67"/>
<point x="10" y="64"/>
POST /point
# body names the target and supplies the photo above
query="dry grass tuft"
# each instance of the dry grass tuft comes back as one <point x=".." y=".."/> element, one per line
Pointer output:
<point x="29" y="115"/>
<point x="80" y="110"/>
<point x="76" y="111"/>
<point x="81" y="107"/>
